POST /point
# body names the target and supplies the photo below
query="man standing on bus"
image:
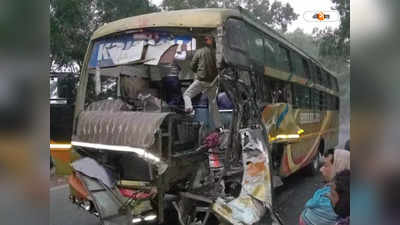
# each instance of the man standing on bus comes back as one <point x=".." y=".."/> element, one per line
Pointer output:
<point x="204" y="66"/>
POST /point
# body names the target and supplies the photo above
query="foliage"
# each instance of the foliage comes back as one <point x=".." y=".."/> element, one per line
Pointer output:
<point x="304" y="41"/>
<point x="72" y="22"/>
<point x="276" y="14"/>
<point x="336" y="43"/>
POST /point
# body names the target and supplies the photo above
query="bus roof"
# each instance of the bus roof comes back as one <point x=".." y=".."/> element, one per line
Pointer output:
<point x="196" y="18"/>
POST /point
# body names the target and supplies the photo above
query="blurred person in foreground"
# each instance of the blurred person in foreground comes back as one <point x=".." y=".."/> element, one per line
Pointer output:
<point x="340" y="196"/>
<point x="319" y="210"/>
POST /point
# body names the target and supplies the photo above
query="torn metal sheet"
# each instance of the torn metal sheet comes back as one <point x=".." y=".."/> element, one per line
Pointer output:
<point x="257" y="176"/>
<point x="247" y="210"/>
<point x="256" y="193"/>
<point x="279" y="120"/>
<point x="154" y="52"/>
<point x="120" y="54"/>
<point x="93" y="169"/>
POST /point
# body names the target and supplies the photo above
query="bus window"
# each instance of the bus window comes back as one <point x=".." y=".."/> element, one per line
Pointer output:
<point x="315" y="99"/>
<point x="234" y="27"/>
<point x="325" y="80"/>
<point x="270" y="52"/>
<point x="256" y="50"/>
<point x="301" y="97"/>
<point x="279" y="91"/>
<point x="319" y="76"/>
<point x="306" y="69"/>
<point x="267" y="90"/>
<point x="334" y="83"/>
<point x="298" y="65"/>
<point x="284" y="62"/>
<point x="313" y="73"/>
<point x="323" y="100"/>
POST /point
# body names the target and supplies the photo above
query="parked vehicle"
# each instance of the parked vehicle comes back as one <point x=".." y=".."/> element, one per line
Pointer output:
<point x="62" y="101"/>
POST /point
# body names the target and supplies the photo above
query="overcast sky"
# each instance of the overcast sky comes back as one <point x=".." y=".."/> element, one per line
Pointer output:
<point x="305" y="9"/>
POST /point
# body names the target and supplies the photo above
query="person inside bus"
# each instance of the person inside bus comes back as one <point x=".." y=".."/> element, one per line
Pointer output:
<point x="319" y="209"/>
<point x="204" y="66"/>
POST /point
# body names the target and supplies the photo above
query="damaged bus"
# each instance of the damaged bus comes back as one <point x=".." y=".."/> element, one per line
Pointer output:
<point x="140" y="154"/>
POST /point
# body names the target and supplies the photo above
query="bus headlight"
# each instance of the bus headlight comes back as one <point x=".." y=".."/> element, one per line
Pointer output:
<point x="150" y="217"/>
<point x="136" y="220"/>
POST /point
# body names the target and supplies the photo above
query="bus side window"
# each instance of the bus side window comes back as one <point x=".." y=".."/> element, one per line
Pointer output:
<point x="298" y="64"/>
<point x="319" y="76"/>
<point x="284" y="62"/>
<point x="336" y="84"/>
<point x="314" y="74"/>
<point x="315" y="99"/>
<point x="306" y="69"/>
<point x="323" y="100"/>
<point x="333" y="82"/>
<point x="238" y="42"/>
<point x="267" y="90"/>
<point x="301" y="97"/>
<point x="235" y="46"/>
<point x="256" y="49"/>
<point x="325" y="80"/>
<point x="270" y="52"/>
<point x="279" y="91"/>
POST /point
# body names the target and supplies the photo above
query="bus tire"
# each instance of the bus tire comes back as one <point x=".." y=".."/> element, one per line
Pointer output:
<point x="313" y="167"/>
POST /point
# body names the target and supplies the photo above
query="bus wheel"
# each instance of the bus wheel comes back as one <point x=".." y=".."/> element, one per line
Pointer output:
<point x="313" y="167"/>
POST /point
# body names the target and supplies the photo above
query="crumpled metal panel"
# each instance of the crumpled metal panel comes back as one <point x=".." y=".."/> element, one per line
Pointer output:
<point x="134" y="129"/>
<point x="92" y="168"/>
<point x="107" y="202"/>
<point x="155" y="52"/>
<point x="256" y="193"/>
<point x="257" y="175"/>
<point x="279" y="118"/>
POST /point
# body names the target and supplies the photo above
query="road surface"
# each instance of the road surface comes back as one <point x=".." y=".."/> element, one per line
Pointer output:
<point x="290" y="199"/>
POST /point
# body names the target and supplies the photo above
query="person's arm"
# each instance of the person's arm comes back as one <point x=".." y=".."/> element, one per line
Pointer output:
<point x="316" y="200"/>
<point x="312" y="202"/>
<point x="195" y="61"/>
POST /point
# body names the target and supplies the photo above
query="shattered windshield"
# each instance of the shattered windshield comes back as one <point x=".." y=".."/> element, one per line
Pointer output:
<point x="146" y="47"/>
<point x="132" y="67"/>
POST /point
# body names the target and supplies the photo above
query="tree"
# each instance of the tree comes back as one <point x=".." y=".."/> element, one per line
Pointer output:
<point x="304" y="41"/>
<point x="72" y="22"/>
<point x="69" y="31"/>
<point x="337" y="42"/>
<point x="276" y="14"/>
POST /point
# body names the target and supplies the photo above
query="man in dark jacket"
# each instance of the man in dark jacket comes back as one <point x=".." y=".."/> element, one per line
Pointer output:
<point x="205" y="69"/>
